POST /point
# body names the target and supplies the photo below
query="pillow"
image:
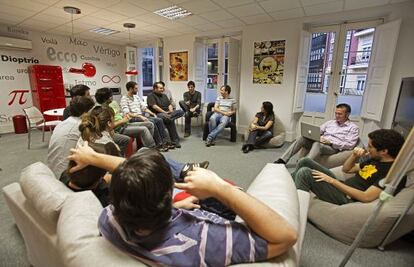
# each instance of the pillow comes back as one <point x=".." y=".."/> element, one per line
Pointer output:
<point x="79" y="241"/>
<point x="43" y="191"/>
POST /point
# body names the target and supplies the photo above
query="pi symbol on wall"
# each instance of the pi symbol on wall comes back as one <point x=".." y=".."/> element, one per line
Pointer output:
<point x="18" y="92"/>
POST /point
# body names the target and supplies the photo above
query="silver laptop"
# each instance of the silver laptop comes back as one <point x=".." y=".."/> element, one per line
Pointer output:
<point x="310" y="131"/>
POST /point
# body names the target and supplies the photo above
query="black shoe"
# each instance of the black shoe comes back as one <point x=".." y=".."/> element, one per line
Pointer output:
<point x="208" y="143"/>
<point x="246" y="149"/>
<point x="190" y="166"/>
<point x="187" y="134"/>
<point x="243" y="147"/>
<point x="280" y="161"/>
<point x="170" y="146"/>
<point x="162" y="148"/>
<point x="177" y="145"/>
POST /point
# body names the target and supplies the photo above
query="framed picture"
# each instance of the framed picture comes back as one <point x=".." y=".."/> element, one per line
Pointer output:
<point x="268" y="62"/>
<point x="179" y="66"/>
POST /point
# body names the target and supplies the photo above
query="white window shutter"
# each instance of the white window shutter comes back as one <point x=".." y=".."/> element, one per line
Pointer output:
<point x="385" y="41"/>
<point x="200" y="66"/>
<point x="233" y="68"/>
<point x="302" y="72"/>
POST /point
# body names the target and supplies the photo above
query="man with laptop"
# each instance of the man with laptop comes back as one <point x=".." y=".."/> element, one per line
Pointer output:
<point x="333" y="136"/>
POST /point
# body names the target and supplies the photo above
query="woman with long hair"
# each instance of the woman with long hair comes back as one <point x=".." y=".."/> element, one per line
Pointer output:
<point x="261" y="128"/>
<point x="97" y="126"/>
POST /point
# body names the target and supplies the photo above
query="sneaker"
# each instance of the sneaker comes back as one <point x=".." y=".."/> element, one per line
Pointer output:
<point x="208" y="143"/>
<point x="170" y="146"/>
<point x="177" y="145"/>
<point x="187" y="134"/>
<point x="190" y="166"/>
<point x="162" y="148"/>
<point x="280" y="161"/>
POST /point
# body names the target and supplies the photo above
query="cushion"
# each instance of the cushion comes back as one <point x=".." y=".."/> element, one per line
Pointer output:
<point x="43" y="191"/>
<point x="274" y="186"/>
<point x="343" y="222"/>
<point x="279" y="134"/>
<point x="80" y="243"/>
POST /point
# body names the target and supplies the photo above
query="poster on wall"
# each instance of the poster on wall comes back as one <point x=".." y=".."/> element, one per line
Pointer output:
<point x="268" y="62"/>
<point x="179" y="66"/>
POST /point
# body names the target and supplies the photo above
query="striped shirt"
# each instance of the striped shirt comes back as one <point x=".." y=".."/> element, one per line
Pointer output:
<point x="225" y="104"/>
<point x="191" y="238"/>
<point x="342" y="136"/>
<point x="132" y="104"/>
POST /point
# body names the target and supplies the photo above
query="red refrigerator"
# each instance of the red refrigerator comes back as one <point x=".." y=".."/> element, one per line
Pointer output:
<point x="48" y="91"/>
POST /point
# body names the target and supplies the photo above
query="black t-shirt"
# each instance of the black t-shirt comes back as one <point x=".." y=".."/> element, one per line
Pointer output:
<point x="262" y="120"/>
<point x="195" y="99"/>
<point x="160" y="100"/>
<point x="371" y="173"/>
<point x="66" y="113"/>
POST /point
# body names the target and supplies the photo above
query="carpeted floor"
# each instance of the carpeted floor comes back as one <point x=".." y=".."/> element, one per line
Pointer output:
<point x="229" y="162"/>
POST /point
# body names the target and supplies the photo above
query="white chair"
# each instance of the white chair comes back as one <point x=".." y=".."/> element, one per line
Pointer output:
<point x="36" y="120"/>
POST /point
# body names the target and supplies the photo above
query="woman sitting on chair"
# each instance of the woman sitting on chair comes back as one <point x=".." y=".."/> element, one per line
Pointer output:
<point x="261" y="128"/>
<point x="97" y="126"/>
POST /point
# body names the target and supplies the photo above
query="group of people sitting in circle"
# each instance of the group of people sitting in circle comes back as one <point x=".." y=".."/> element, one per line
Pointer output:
<point x="142" y="214"/>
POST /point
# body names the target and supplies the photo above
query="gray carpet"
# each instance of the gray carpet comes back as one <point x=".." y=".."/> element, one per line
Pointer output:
<point x="229" y="162"/>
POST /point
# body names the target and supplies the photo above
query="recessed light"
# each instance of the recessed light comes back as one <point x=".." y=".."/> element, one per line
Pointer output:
<point x="103" y="31"/>
<point x="173" y="12"/>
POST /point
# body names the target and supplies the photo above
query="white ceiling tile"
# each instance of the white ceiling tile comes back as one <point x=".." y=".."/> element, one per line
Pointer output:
<point x="232" y="3"/>
<point x="398" y="1"/>
<point x="119" y="25"/>
<point x="101" y="3"/>
<point x="178" y="1"/>
<point x="185" y="29"/>
<point x="152" y="18"/>
<point x="276" y="5"/>
<point x="246" y="10"/>
<point x="315" y="2"/>
<point x="127" y="9"/>
<point x="169" y="33"/>
<point x="22" y="13"/>
<point x="92" y="20"/>
<point x="11" y="19"/>
<point x="207" y="27"/>
<point x="200" y="6"/>
<point x="230" y="23"/>
<point x="54" y="11"/>
<point x="323" y="8"/>
<point x="39" y="24"/>
<point x="47" y="2"/>
<point x="85" y="8"/>
<point x="287" y="14"/>
<point x="151" y="5"/>
<point x="194" y="20"/>
<point x="262" y="18"/>
<point x="26" y="5"/>
<point x="172" y="25"/>
<point x="43" y="16"/>
<point x="217" y="15"/>
<point x="154" y="28"/>
<point x="356" y="4"/>
<point x="108" y="15"/>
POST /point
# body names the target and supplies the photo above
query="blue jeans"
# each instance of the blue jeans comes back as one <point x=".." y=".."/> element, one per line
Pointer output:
<point x="257" y="137"/>
<point x="215" y="129"/>
<point x="175" y="166"/>
<point x="159" y="131"/>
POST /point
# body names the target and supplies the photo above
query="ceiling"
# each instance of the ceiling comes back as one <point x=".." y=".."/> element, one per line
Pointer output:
<point x="210" y="16"/>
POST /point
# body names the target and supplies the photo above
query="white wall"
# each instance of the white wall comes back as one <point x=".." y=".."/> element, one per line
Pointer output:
<point x="178" y="44"/>
<point x="59" y="51"/>
<point x="251" y="95"/>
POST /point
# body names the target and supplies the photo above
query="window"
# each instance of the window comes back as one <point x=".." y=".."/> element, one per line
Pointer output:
<point x="147" y="69"/>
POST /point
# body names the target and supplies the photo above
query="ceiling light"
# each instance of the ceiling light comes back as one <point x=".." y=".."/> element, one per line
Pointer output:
<point x="173" y="12"/>
<point x="103" y="31"/>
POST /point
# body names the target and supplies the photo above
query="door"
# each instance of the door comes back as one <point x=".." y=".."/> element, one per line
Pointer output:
<point x="339" y="59"/>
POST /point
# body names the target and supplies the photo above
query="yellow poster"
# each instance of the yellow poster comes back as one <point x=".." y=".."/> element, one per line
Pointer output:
<point x="268" y="62"/>
<point x="179" y="66"/>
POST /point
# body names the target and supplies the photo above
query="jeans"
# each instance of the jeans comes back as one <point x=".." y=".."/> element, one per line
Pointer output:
<point x="168" y="120"/>
<point x="315" y="149"/>
<point x="257" y="138"/>
<point x="215" y="129"/>
<point x="175" y="166"/>
<point x="139" y="131"/>
<point x="160" y="137"/>
<point x="122" y="141"/>
<point x="187" y="115"/>
<point x="324" y="191"/>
